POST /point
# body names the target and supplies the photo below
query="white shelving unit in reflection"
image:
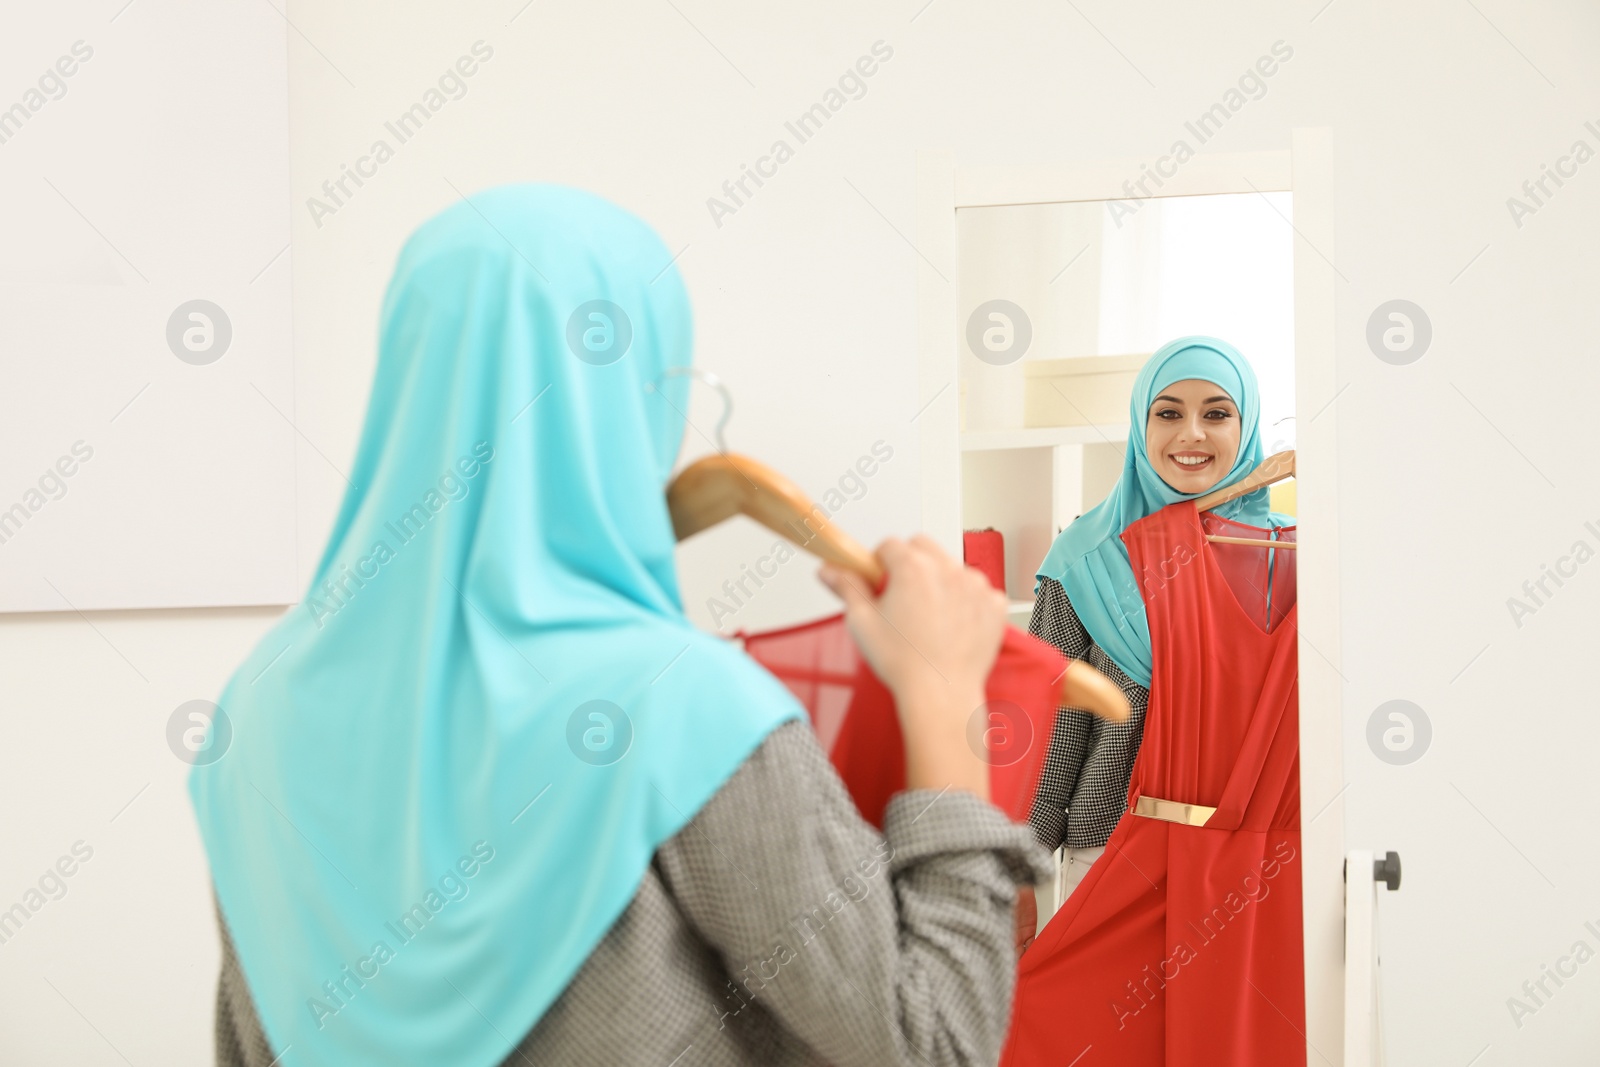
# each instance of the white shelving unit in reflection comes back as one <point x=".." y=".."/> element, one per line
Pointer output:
<point x="1029" y="282"/>
<point x="1029" y="484"/>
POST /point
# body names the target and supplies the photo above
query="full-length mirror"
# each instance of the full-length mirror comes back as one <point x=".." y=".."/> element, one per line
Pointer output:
<point x="1117" y="360"/>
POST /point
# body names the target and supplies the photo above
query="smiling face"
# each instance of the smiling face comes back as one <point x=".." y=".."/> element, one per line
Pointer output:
<point x="1192" y="435"/>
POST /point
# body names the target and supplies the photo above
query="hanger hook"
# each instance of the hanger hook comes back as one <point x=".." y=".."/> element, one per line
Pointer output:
<point x="709" y="379"/>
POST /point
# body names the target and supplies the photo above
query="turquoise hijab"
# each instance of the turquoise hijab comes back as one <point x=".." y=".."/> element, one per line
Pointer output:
<point x="1089" y="559"/>
<point x="452" y="763"/>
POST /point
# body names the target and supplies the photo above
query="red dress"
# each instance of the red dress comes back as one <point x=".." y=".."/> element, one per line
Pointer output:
<point x="1183" y="944"/>
<point x="856" y="723"/>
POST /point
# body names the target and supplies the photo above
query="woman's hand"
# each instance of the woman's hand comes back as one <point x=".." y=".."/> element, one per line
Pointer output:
<point x="932" y="638"/>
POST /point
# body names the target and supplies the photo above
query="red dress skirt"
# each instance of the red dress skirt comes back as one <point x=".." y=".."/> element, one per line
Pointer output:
<point x="1183" y="944"/>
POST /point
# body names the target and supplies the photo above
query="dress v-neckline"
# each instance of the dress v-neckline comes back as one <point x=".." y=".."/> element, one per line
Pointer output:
<point x="1208" y="551"/>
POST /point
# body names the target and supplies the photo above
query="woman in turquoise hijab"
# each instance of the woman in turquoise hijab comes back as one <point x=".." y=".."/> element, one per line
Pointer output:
<point x="1194" y="426"/>
<point x="491" y="798"/>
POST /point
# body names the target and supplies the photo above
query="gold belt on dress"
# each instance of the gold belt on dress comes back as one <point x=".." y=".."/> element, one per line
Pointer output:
<point x="1173" y="811"/>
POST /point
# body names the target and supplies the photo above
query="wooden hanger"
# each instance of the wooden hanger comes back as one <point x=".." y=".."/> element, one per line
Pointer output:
<point x="721" y="486"/>
<point x="718" y="487"/>
<point x="1275" y="468"/>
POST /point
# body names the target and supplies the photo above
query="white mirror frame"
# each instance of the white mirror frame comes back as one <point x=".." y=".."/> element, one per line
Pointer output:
<point x="1306" y="170"/>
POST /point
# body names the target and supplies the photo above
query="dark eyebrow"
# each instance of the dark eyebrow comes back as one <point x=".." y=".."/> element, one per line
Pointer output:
<point x="1175" y="400"/>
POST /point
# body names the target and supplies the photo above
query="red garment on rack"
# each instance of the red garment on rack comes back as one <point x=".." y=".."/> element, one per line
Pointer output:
<point x="854" y="714"/>
<point x="985" y="550"/>
<point x="1182" y="946"/>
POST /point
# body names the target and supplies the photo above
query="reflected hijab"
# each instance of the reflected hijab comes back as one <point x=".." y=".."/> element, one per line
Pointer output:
<point x="1089" y="559"/>
<point x="452" y="763"/>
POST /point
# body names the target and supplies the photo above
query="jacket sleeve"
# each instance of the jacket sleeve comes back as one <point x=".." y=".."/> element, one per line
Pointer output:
<point x="1054" y="620"/>
<point x="874" y="949"/>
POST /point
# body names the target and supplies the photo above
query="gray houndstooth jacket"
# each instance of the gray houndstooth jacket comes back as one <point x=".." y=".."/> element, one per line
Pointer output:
<point x="1083" y="789"/>
<point x="779" y="928"/>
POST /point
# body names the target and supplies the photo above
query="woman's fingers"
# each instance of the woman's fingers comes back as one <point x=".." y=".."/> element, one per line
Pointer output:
<point x="860" y="614"/>
<point x="931" y="638"/>
<point x="845" y="585"/>
<point x="893" y="553"/>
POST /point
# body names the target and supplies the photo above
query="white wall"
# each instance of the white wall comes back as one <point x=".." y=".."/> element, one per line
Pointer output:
<point x="142" y="210"/>
<point x="1460" y="474"/>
